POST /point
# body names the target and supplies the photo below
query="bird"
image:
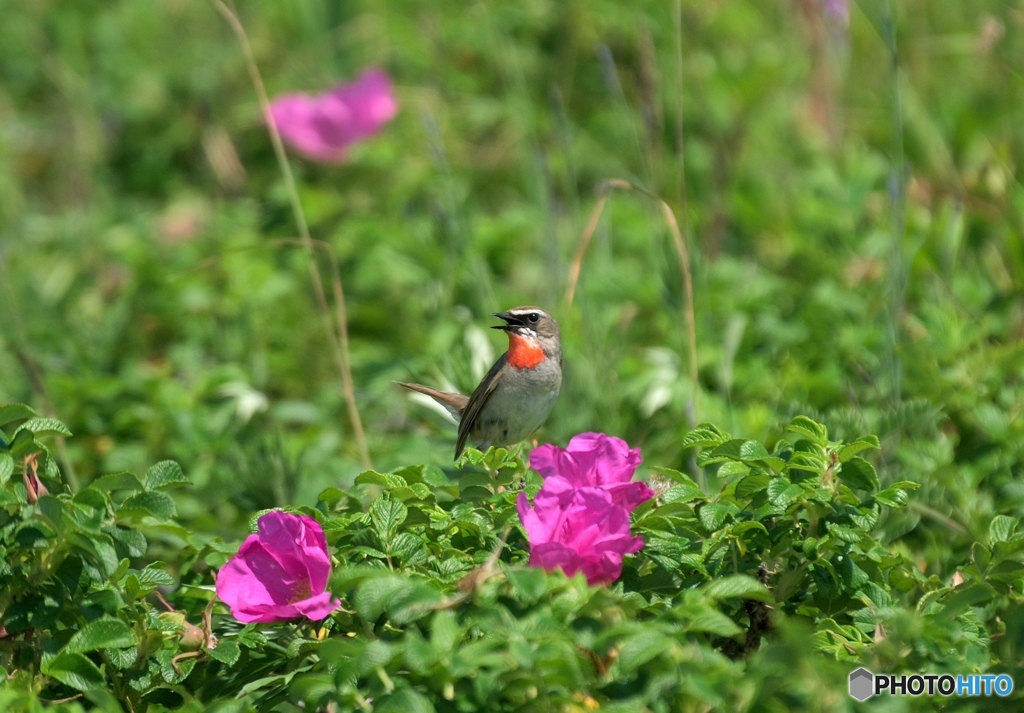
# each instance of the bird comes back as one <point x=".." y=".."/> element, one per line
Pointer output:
<point x="516" y="395"/>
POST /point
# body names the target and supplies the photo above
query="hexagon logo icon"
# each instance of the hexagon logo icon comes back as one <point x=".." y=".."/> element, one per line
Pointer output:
<point x="862" y="684"/>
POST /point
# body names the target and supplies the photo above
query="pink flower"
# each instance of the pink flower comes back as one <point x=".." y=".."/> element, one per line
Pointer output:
<point x="584" y="532"/>
<point x="280" y="573"/>
<point x="593" y="460"/>
<point x="322" y="127"/>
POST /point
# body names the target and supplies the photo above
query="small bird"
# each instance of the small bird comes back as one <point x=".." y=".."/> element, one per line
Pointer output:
<point x="516" y="395"/>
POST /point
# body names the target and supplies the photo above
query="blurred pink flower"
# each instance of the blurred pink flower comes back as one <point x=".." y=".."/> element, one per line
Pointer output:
<point x="279" y="573"/>
<point x="837" y="11"/>
<point x="593" y="460"/>
<point x="322" y="127"/>
<point x="584" y="532"/>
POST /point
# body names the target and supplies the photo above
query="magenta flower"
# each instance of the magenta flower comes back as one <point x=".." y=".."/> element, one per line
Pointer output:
<point x="322" y="127"/>
<point x="584" y="532"/>
<point x="279" y="573"/>
<point x="593" y="460"/>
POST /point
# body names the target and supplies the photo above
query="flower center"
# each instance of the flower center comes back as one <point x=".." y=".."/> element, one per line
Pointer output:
<point x="301" y="592"/>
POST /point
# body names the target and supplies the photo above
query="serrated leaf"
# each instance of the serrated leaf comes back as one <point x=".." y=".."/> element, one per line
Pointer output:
<point x="104" y="633"/>
<point x="42" y="426"/>
<point x="15" y="412"/>
<point x="738" y="585"/>
<point x="893" y="497"/>
<point x="404" y="700"/>
<point x="408" y="548"/>
<point x="744" y="527"/>
<point x="964" y="597"/>
<point x="712" y="621"/>
<point x="1000" y="528"/>
<point x="122" y="658"/>
<point x="387" y="480"/>
<point x="117" y="481"/>
<point x="387" y="514"/>
<point x="6" y="468"/>
<point x="712" y="515"/>
<point x="170" y="674"/>
<point x="226" y="652"/>
<point x="844" y="533"/>
<point x="373" y="596"/>
<point x="165" y="474"/>
<point x="859" y="474"/>
<point x="641" y="648"/>
<point x="752" y="485"/>
<point x="675" y="475"/>
<point x="74" y="670"/>
<point x="154" y="503"/>
<point x="809" y="428"/>
<point x="704" y="435"/>
<point x="753" y="451"/>
<point x="683" y="494"/>
<point x="445" y="631"/>
<point x="733" y="468"/>
<point x="851" y="449"/>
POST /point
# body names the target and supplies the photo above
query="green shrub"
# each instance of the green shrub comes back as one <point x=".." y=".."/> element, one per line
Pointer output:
<point x="761" y="596"/>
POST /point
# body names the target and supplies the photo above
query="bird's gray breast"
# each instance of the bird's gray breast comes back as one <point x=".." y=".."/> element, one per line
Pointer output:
<point x="519" y="404"/>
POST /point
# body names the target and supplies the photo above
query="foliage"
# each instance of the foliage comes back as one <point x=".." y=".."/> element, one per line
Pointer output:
<point x="850" y="194"/>
<point x="441" y="612"/>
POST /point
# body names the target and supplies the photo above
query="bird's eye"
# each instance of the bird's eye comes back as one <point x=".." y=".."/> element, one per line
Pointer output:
<point x="533" y="317"/>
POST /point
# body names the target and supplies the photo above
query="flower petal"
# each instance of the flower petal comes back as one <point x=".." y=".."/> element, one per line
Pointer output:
<point x="318" y="607"/>
<point x="323" y="127"/>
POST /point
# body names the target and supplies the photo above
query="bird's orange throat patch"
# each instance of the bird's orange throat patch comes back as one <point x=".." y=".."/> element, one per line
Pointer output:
<point x="524" y="352"/>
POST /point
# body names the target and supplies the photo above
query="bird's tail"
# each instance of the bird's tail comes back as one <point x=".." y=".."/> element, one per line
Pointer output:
<point x="455" y="403"/>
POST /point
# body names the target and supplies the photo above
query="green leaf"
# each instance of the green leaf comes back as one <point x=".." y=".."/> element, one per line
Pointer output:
<point x="712" y="621"/>
<point x="156" y="504"/>
<point x="226" y="652"/>
<point x="387" y="480"/>
<point x="117" y="481"/>
<point x="445" y="631"/>
<point x="851" y="449"/>
<point x="74" y="670"/>
<point x="6" y="468"/>
<point x="683" y="494"/>
<point x="733" y="468"/>
<point x="712" y="515"/>
<point x="641" y="648"/>
<point x="681" y="478"/>
<point x="387" y="514"/>
<point x="106" y="633"/>
<point x="41" y="426"/>
<point x="859" y="474"/>
<point x="165" y="474"/>
<point x="404" y="700"/>
<point x="704" y="435"/>
<point x="811" y="429"/>
<point x="744" y="527"/>
<point x="738" y="585"/>
<point x="15" y="412"/>
<point x="753" y="451"/>
<point x="893" y="497"/>
<point x="1000" y="529"/>
<point x="964" y="597"/>
<point x="373" y="596"/>
<point x="752" y="485"/>
<point x="730" y="450"/>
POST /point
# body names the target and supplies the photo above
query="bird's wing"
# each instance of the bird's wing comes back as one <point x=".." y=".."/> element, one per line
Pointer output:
<point x="477" y="401"/>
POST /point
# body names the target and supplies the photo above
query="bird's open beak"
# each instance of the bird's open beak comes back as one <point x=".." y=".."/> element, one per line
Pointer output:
<point x="511" y="321"/>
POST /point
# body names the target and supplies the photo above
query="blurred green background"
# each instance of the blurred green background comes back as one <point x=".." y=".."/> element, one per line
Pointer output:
<point x="853" y="209"/>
